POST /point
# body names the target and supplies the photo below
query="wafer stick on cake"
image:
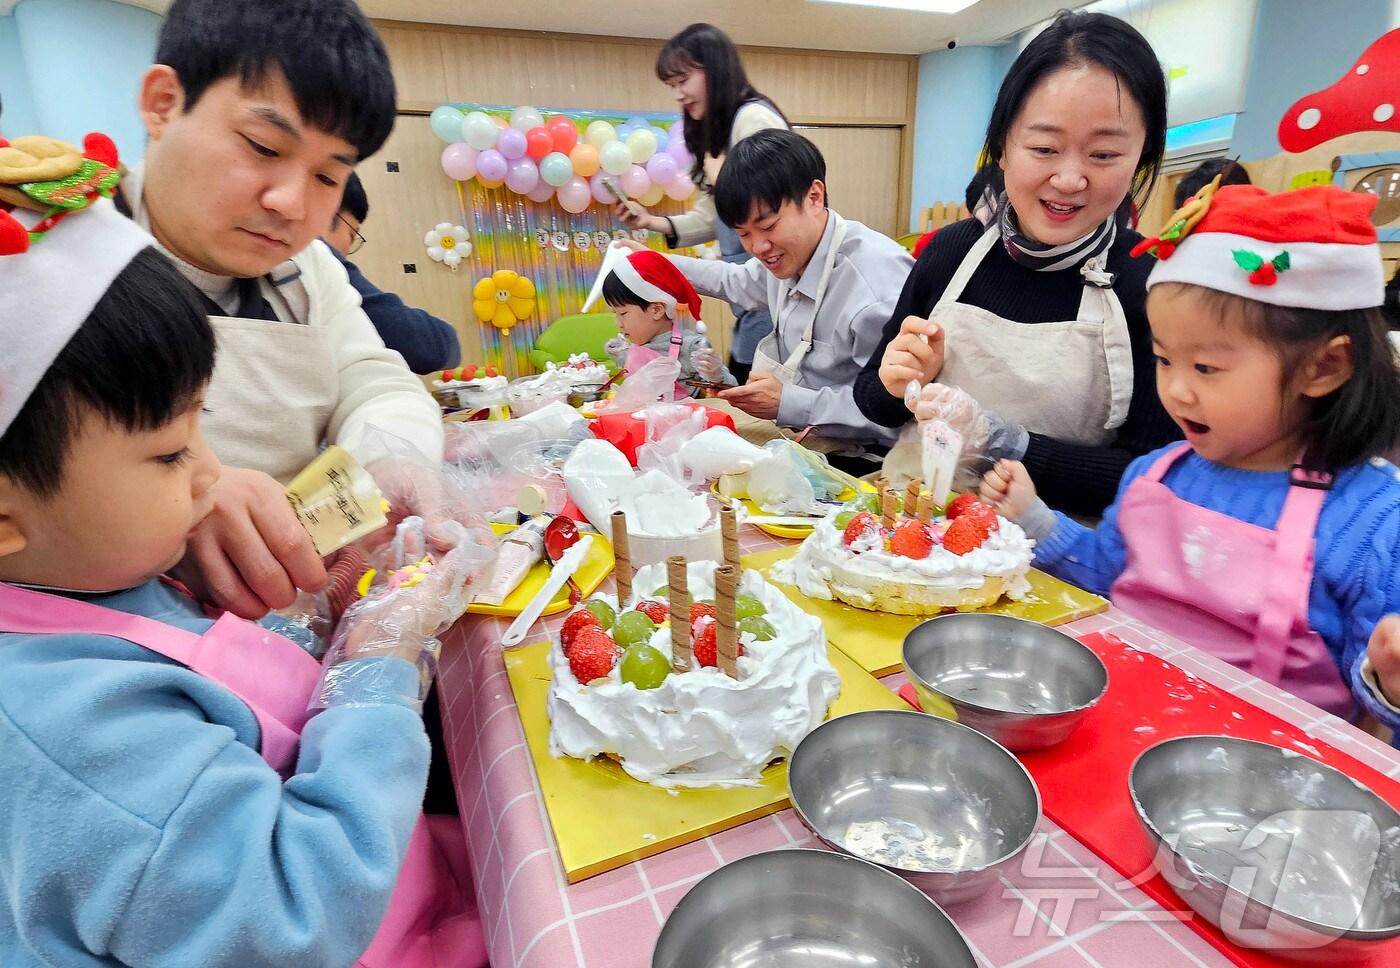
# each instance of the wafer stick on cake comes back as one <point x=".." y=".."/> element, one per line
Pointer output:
<point x="727" y="633"/>
<point x="889" y="508"/>
<point x="678" y="594"/>
<point x="729" y="531"/>
<point x="623" y="553"/>
<point x="911" y="496"/>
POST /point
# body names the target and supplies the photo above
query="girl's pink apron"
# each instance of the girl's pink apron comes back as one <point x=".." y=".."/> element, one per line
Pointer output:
<point x="1236" y="590"/>
<point x="427" y="925"/>
<point x="640" y="356"/>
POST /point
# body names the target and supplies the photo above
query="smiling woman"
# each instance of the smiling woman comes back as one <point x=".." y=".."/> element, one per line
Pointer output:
<point x="1040" y="316"/>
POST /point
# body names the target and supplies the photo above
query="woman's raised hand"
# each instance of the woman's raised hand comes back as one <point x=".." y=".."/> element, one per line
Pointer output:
<point x="915" y="354"/>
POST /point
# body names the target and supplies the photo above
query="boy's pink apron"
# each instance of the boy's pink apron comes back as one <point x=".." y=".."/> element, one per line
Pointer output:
<point x="640" y="356"/>
<point x="427" y="925"/>
<point x="1236" y="590"/>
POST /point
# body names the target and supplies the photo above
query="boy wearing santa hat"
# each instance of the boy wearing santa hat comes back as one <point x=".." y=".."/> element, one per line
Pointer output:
<point x="652" y="299"/>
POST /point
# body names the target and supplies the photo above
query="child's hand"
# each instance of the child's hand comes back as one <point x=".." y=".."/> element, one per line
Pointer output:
<point x="1384" y="653"/>
<point x="1008" y="488"/>
<point x="708" y="364"/>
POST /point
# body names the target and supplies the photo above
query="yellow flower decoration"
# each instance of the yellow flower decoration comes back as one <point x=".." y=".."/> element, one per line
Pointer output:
<point x="503" y="298"/>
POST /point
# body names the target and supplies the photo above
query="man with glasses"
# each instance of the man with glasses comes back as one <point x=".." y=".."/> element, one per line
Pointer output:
<point x="425" y="342"/>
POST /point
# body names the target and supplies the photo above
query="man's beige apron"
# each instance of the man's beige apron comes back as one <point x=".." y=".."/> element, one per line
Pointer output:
<point x="758" y="430"/>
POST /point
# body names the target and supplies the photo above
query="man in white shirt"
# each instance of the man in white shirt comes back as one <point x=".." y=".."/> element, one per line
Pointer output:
<point x="257" y="113"/>
<point x="829" y="283"/>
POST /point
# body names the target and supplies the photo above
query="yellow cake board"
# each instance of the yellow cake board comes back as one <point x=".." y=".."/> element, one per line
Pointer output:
<point x="604" y="819"/>
<point x="875" y="640"/>
<point x="597" y="565"/>
<point x="797" y="531"/>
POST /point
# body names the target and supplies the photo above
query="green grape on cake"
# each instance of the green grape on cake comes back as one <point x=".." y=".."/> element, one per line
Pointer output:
<point x="631" y="628"/>
<point x="601" y="610"/>
<point x="644" y="666"/>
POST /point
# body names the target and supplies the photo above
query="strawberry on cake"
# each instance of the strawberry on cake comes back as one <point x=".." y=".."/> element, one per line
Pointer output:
<point x="472" y="385"/>
<point x="581" y="370"/>
<point x="673" y="716"/>
<point x="912" y="564"/>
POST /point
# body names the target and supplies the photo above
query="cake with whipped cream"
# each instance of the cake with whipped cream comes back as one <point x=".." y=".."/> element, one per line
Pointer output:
<point x="970" y="558"/>
<point x="472" y="385"/>
<point x="615" y="692"/>
<point x="581" y="370"/>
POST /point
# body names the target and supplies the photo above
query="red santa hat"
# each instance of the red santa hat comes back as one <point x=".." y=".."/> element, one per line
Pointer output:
<point x="1313" y="248"/>
<point x="653" y="277"/>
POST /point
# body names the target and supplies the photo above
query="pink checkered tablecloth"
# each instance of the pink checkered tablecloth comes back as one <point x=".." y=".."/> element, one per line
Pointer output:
<point x="1061" y="907"/>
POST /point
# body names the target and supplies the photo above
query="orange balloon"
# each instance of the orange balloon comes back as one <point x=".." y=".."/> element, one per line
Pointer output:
<point x="585" y="159"/>
<point x="488" y="183"/>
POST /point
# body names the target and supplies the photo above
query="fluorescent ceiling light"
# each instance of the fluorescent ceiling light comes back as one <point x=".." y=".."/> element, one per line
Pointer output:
<point x="917" y="6"/>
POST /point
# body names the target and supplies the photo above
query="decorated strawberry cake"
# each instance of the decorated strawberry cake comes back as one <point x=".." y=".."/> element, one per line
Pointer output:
<point x="910" y="564"/>
<point x="619" y="689"/>
<point x="581" y="371"/>
<point x="470" y="386"/>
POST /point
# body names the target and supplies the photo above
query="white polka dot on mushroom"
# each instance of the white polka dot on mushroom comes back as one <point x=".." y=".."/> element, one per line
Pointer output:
<point x="1362" y="68"/>
<point x="1309" y="118"/>
<point x="1384" y="113"/>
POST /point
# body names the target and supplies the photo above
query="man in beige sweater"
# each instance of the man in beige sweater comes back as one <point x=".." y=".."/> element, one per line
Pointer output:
<point x="257" y="113"/>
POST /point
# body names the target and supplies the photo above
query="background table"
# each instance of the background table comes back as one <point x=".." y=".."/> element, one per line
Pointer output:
<point x="1059" y="906"/>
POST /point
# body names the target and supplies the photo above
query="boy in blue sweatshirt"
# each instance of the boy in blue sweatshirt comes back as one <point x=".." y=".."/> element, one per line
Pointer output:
<point x="152" y="816"/>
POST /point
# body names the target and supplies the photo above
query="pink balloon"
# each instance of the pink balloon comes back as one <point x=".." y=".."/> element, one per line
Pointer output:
<point x="542" y="192"/>
<point x="523" y="175"/>
<point x="511" y="143"/>
<point x="635" y="181"/>
<point x="459" y="161"/>
<point x="565" y="133"/>
<point x="680" y="188"/>
<point x="600" y="191"/>
<point x="661" y="167"/>
<point x="491" y="165"/>
<point x="678" y="151"/>
<point x="575" y="195"/>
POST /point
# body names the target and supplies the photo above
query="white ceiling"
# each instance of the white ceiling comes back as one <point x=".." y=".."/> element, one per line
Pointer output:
<point x="762" y="23"/>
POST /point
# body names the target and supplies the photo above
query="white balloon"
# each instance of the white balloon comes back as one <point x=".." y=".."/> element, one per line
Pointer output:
<point x="479" y="131"/>
<point x="525" y="118"/>
<point x="615" y="157"/>
<point x="452" y="258"/>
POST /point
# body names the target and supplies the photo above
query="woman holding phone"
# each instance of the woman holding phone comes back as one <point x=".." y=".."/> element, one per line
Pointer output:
<point x="720" y="108"/>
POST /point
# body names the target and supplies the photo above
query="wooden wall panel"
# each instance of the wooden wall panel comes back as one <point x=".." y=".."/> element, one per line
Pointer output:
<point x="862" y="171"/>
<point x="617" y="73"/>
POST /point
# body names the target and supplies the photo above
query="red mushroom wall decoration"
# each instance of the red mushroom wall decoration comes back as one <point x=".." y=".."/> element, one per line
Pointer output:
<point x="1367" y="98"/>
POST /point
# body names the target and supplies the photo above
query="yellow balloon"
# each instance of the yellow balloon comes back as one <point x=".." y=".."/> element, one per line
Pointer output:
<point x="503" y="299"/>
<point x="653" y="195"/>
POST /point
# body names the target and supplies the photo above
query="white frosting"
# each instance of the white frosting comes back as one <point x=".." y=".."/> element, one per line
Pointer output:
<point x="702" y="728"/>
<point x="825" y="558"/>
<point x="581" y="370"/>
<point x="480" y="383"/>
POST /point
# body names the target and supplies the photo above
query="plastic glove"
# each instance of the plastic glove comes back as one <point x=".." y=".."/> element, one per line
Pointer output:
<point x="401" y="617"/>
<point x="708" y="364"/>
<point x="985" y="434"/>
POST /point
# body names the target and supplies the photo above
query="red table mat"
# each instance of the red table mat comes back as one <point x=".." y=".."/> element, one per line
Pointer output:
<point x="1084" y="780"/>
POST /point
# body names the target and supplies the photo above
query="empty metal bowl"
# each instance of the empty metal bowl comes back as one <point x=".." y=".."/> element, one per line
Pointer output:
<point x="1278" y="850"/>
<point x="807" y="909"/>
<point x="1025" y="685"/>
<point x="924" y="797"/>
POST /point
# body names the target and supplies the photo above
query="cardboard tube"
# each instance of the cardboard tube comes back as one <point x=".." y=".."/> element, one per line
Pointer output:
<point x="889" y="509"/>
<point x="727" y="633"/>
<point x="623" y="554"/>
<point x="729" y="531"/>
<point x="679" y="594"/>
<point x="911" y="497"/>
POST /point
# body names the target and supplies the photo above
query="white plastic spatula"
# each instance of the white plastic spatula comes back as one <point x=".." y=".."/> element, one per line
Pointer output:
<point x="562" y="571"/>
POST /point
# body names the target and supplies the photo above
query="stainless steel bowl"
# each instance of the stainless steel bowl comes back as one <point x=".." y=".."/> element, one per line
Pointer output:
<point x="924" y="797"/>
<point x="807" y="909"/>
<point x="1025" y="685"/>
<point x="1278" y="850"/>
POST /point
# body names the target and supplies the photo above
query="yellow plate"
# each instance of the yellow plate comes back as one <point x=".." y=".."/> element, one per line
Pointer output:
<point x="875" y="640"/>
<point x="596" y="566"/>
<point x="792" y="530"/>
<point x="603" y="819"/>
